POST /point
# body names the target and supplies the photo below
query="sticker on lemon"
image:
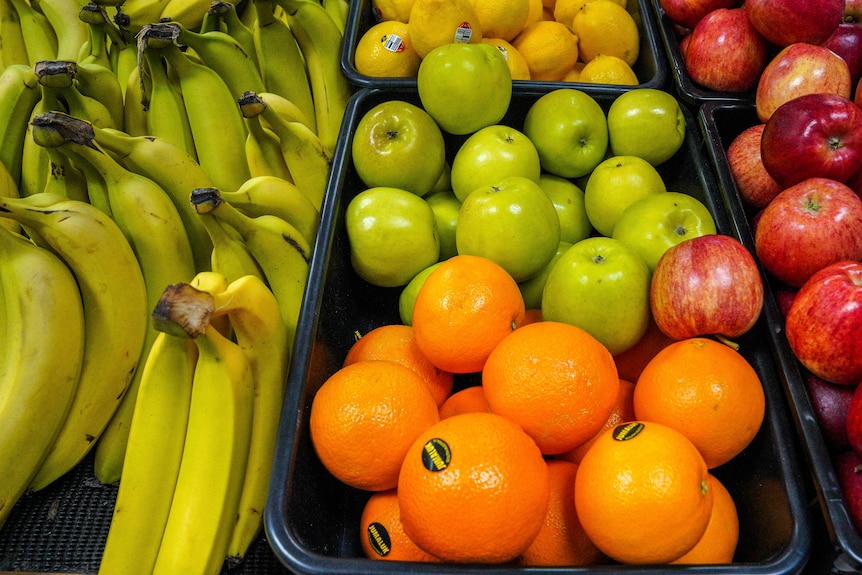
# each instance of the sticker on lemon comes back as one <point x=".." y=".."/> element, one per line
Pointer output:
<point x="605" y="27"/>
<point x="385" y="50"/>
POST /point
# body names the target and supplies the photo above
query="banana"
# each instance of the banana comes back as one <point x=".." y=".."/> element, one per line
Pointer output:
<point x="132" y="15"/>
<point x="99" y="31"/>
<point x="176" y="172"/>
<point x="19" y="94"/>
<point x="8" y="189"/>
<point x="320" y="40"/>
<point x="206" y="498"/>
<point x="71" y="32"/>
<point x="286" y="109"/>
<point x="280" y="250"/>
<point x="166" y="113"/>
<point x="99" y="82"/>
<point x="230" y="22"/>
<point x="230" y="256"/>
<point x="35" y="164"/>
<point x="43" y="341"/>
<point x="39" y="37"/>
<point x="214" y="282"/>
<point x="283" y="65"/>
<point x="115" y="315"/>
<point x="189" y="13"/>
<point x="337" y="9"/>
<point x="217" y="126"/>
<point x="14" y="46"/>
<point x="263" y="151"/>
<point x="64" y="178"/>
<point x="275" y="196"/>
<point x="92" y="109"/>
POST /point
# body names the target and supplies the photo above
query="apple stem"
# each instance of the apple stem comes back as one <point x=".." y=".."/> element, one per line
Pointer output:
<point x="729" y="343"/>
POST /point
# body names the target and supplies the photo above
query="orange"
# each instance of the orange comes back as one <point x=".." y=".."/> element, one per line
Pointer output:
<point x="630" y="363"/>
<point x="605" y="27"/>
<point x="550" y="49"/>
<point x="622" y="412"/>
<point x="642" y="493"/>
<point x="718" y="543"/>
<point x="562" y="540"/>
<point x="473" y="488"/>
<point x="555" y="380"/>
<point x="467" y="400"/>
<point x="705" y="390"/>
<point x="501" y="18"/>
<point x="364" y="418"/>
<point x="385" y="51"/>
<point x="381" y="533"/>
<point x="532" y="316"/>
<point x="463" y="309"/>
<point x="396" y="343"/>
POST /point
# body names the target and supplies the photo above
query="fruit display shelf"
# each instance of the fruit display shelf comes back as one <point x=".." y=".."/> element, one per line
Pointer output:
<point x="721" y="122"/>
<point x="312" y="519"/>
<point x="651" y="67"/>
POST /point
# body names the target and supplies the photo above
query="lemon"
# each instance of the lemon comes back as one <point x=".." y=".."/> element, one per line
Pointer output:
<point x="574" y="74"/>
<point x="605" y="69"/>
<point x="550" y="49"/>
<point x="517" y="64"/>
<point x="565" y="10"/>
<point x="605" y="27"/>
<point x="536" y="12"/>
<point x="392" y="9"/>
<point x="434" y="23"/>
<point x="385" y="50"/>
<point x="502" y="18"/>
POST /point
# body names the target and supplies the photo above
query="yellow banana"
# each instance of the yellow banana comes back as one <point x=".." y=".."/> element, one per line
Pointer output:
<point x="337" y="9"/>
<point x="132" y="15"/>
<point x="14" y="46"/>
<point x="100" y="32"/>
<point x="189" y="13"/>
<point x="320" y="40"/>
<point x="39" y="36"/>
<point x="64" y="178"/>
<point x="263" y="151"/>
<point x="35" y="163"/>
<point x="134" y="112"/>
<point x="98" y="82"/>
<point x="115" y="315"/>
<point x="8" y="189"/>
<point x="43" y="348"/>
<point x="19" y="94"/>
<point x="70" y="31"/>
<point x="286" y="109"/>
<point x="225" y="14"/>
<point x="166" y="113"/>
<point x="275" y="196"/>
<point x="230" y="256"/>
<point x="209" y="484"/>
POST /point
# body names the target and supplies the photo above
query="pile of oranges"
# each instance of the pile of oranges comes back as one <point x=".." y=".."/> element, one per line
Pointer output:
<point x="484" y="434"/>
<point x="592" y="41"/>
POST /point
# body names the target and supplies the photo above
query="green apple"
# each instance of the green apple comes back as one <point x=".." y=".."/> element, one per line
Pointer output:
<point x="531" y="289"/>
<point x="615" y="184"/>
<point x="513" y="223"/>
<point x="647" y="123"/>
<point x="408" y="294"/>
<point x="397" y="144"/>
<point x="653" y="224"/>
<point x="464" y="86"/>
<point x="392" y="235"/>
<point x="444" y="182"/>
<point x="491" y="153"/>
<point x="601" y="286"/>
<point x="570" y="131"/>
<point x="446" y="208"/>
<point x="568" y="198"/>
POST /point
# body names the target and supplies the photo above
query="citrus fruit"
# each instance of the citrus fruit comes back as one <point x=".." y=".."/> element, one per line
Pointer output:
<point x="705" y="390"/>
<point x="501" y="18"/>
<point x="718" y="543"/>
<point x="565" y="10"/>
<point x="518" y="67"/>
<point x="467" y="400"/>
<point x="632" y="361"/>
<point x="381" y="533"/>
<point x="385" y="51"/>
<point x="550" y="49"/>
<point x="395" y="342"/>
<point x="462" y="311"/>
<point x="642" y="493"/>
<point x="473" y="488"/>
<point x="605" y="27"/>
<point x="380" y="406"/>
<point x="623" y="411"/>
<point x="536" y="12"/>
<point x="433" y="23"/>
<point x="392" y="9"/>
<point x="555" y="380"/>
<point x="561" y="540"/>
<point x="607" y="69"/>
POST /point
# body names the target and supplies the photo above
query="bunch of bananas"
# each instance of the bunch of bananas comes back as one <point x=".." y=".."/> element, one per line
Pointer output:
<point x="169" y="148"/>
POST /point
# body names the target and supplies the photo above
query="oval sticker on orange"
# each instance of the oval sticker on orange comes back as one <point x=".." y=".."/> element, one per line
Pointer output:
<point x="627" y="431"/>
<point x="436" y="455"/>
<point x="379" y="538"/>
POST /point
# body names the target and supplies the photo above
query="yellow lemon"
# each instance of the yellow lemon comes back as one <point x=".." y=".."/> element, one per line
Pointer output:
<point x="392" y="9"/>
<point x="550" y="49"/>
<point x="605" y="27"/>
<point x="502" y="18"/>
<point x="518" y="67"/>
<point x="574" y="74"/>
<point x="565" y="10"/>
<point x="605" y="69"/>
<point x="536" y="12"/>
<point x="434" y="23"/>
<point x="385" y="50"/>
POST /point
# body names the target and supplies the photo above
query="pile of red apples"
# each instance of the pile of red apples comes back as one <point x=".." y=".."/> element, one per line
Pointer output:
<point x="799" y="170"/>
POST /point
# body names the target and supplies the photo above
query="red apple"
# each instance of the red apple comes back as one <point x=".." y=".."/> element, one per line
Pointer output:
<point x="807" y="227"/>
<point x="706" y="285"/>
<point x="846" y="41"/>
<point x="815" y="135"/>
<point x="800" y="69"/>
<point x="784" y="296"/>
<point x="687" y="13"/>
<point x="785" y="22"/>
<point x="725" y="53"/>
<point x="857" y="93"/>
<point x="831" y="403"/>
<point x="683" y="44"/>
<point x="853" y="422"/>
<point x="848" y="470"/>
<point x="755" y="185"/>
<point x="855" y="182"/>
<point x="824" y="324"/>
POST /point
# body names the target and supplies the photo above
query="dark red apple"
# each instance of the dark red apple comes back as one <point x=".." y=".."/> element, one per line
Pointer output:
<point x="848" y="470"/>
<point x="800" y="69"/>
<point x="807" y="227"/>
<point x="855" y="182"/>
<point x="846" y="41"/>
<point x="815" y="135"/>
<point x="755" y="185"/>
<point x="831" y="403"/>
<point x="824" y="324"/>
<point x="853" y="423"/>
<point x="706" y="285"/>
<point x="725" y="53"/>
<point x="784" y="296"/>
<point x="687" y="13"/>
<point x="785" y="22"/>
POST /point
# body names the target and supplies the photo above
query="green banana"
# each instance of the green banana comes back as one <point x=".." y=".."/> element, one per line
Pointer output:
<point x="19" y="94"/>
<point x="98" y="82"/>
<point x="206" y="498"/>
<point x="338" y="10"/>
<point x="263" y="151"/>
<point x="43" y="349"/>
<point x="189" y="13"/>
<point x="231" y="23"/>
<point x="14" y="46"/>
<point x="134" y="112"/>
<point x="39" y="37"/>
<point x="70" y="31"/>
<point x="99" y="31"/>
<point x="283" y="65"/>
<point x="176" y="172"/>
<point x="320" y="40"/>
<point x="230" y="256"/>
<point x="166" y="113"/>
<point x="35" y="164"/>
<point x="133" y="15"/>
<point x="64" y="178"/>
<point x="115" y="315"/>
<point x="275" y="196"/>
<point x="8" y="189"/>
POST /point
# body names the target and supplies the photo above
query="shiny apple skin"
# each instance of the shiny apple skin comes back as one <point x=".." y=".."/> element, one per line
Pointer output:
<point x="785" y="22"/>
<point x="754" y="184"/>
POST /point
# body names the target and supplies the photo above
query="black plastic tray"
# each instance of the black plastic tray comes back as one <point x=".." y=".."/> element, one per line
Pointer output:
<point x="689" y="91"/>
<point x="312" y="518"/>
<point x="721" y="122"/>
<point x="651" y="67"/>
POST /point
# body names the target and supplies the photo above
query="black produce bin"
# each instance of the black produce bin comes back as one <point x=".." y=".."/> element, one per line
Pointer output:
<point x="312" y="519"/>
<point x="651" y="67"/>
<point x="689" y="91"/>
<point x="721" y="122"/>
